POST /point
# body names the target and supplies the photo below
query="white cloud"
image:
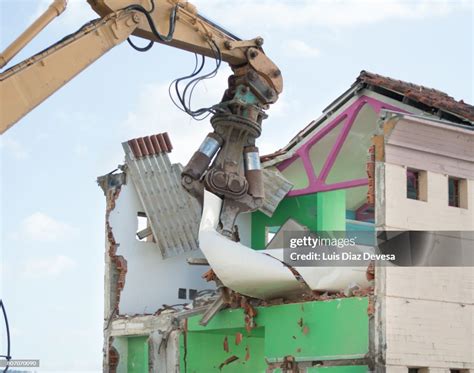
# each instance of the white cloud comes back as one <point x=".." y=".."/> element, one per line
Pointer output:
<point x="41" y="227"/>
<point x="302" y="49"/>
<point x="18" y="333"/>
<point x="14" y="148"/>
<point x="81" y="150"/>
<point x="288" y="14"/>
<point x="48" y="267"/>
<point x="329" y="13"/>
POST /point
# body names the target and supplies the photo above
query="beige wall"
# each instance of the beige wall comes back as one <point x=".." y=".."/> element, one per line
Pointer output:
<point x="434" y="214"/>
<point x="425" y="315"/>
<point x="428" y="317"/>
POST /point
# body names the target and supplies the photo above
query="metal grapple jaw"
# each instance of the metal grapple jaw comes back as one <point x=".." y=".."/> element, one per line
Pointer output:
<point x="227" y="162"/>
<point x="235" y="174"/>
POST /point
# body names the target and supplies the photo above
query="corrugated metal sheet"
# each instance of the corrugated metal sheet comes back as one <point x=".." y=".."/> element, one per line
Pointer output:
<point x="172" y="213"/>
<point x="276" y="188"/>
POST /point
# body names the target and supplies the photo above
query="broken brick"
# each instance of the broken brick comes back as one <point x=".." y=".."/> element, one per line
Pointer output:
<point x="226" y="344"/>
<point x="238" y="338"/>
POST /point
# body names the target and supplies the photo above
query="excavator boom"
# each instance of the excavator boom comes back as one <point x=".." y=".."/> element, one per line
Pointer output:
<point x="27" y="84"/>
<point x="30" y="82"/>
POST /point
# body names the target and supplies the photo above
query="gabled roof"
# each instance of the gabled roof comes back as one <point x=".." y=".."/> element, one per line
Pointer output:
<point x="429" y="100"/>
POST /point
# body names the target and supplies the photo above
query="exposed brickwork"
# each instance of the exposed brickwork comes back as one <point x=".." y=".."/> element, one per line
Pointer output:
<point x="113" y="357"/>
<point x="120" y="271"/>
<point x="370" y="168"/>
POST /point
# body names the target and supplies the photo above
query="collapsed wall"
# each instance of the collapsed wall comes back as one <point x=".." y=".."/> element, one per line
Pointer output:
<point x="151" y="288"/>
<point x="143" y="277"/>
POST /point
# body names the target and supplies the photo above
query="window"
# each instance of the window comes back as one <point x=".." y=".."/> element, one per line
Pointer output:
<point x="144" y="232"/>
<point x="457" y="192"/>
<point x="413" y="370"/>
<point x="417" y="184"/>
<point x="192" y="293"/>
<point x="182" y="293"/>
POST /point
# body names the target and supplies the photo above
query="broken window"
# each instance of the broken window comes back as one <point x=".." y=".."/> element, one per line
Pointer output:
<point x="457" y="190"/>
<point x="416" y="184"/>
<point x="144" y="232"/>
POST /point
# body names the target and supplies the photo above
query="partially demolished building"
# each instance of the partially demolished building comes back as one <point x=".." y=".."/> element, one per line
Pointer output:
<point x="385" y="156"/>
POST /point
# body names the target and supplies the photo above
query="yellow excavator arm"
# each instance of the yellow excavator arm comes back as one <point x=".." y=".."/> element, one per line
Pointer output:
<point x="235" y="173"/>
<point x="30" y="82"/>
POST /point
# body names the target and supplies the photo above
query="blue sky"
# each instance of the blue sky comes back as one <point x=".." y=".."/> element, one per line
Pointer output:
<point x="52" y="211"/>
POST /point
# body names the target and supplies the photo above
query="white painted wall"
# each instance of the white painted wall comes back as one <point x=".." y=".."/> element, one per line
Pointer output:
<point x="244" y="225"/>
<point x="150" y="281"/>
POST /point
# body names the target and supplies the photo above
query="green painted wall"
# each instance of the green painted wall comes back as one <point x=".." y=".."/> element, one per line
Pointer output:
<point x="302" y="209"/>
<point x="205" y="352"/>
<point x="320" y="211"/>
<point x="341" y="369"/>
<point x="331" y="213"/>
<point x="334" y="329"/>
<point x="137" y="355"/>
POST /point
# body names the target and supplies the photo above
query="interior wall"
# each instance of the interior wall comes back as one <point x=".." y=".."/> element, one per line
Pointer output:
<point x="296" y="173"/>
<point x="352" y="157"/>
<point x="150" y="280"/>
